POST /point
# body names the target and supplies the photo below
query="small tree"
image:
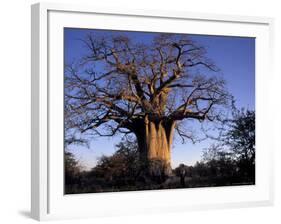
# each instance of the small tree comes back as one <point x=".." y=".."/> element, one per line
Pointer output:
<point x="72" y="169"/>
<point x="236" y="148"/>
<point x="241" y="140"/>
<point x="122" y="167"/>
<point x="241" y="136"/>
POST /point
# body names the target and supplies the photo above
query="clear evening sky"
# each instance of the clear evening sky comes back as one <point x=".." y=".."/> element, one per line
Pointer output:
<point x="235" y="56"/>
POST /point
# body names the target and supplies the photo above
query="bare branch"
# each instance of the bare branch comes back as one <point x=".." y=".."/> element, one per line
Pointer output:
<point x="120" y="82"/>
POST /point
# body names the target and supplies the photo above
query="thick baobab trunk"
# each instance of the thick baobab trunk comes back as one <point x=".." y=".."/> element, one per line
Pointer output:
<point x="154" y="141"/>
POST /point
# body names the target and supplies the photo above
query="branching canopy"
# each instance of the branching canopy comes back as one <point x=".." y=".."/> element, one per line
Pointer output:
<point x="120" y="82"/>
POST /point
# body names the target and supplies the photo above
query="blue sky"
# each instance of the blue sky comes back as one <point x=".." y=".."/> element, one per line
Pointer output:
<point x="235" y="56"/>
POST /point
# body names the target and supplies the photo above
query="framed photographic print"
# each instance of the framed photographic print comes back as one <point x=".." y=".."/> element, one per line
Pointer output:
<point x="148" y="111"/>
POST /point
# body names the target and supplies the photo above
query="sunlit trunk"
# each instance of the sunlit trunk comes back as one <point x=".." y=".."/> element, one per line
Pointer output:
<point x="155" y="141"/>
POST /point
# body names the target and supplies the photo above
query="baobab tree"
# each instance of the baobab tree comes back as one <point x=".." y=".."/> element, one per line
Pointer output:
<point x="146" y="89"/>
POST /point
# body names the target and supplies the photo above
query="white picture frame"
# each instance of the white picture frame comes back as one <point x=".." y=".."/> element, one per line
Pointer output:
<point x="48" y="201"/>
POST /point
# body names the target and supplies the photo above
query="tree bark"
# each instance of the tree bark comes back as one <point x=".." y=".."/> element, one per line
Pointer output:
<point x="154" y="142"/>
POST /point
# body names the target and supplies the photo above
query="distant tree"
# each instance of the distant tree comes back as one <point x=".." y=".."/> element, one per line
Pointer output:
<point x="219" y="161"/>
<point x="241" y="140"/>
<point x="148" y="90"/>
<point x="120" y="168"/>
<point x="182" y="171"/>
<point x="199" y="169"/>
<point x="236" y="148"/>
<point x="241" y="136"/>
<point x="72" y="168"/>
<point x="215" y="152"/>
